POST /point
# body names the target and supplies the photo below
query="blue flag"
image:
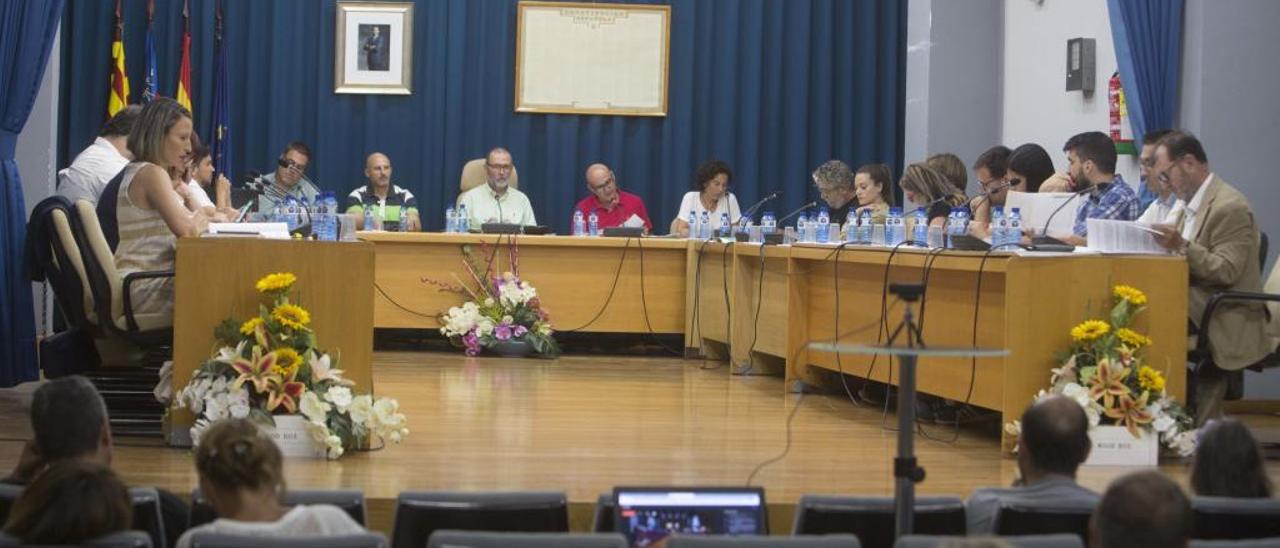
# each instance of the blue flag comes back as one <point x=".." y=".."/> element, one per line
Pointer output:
<point x="149" y="86"/>
<point x="220" y="147"/>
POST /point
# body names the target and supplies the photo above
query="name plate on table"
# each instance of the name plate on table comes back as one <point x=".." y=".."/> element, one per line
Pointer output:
<point x="1115" y="446"/>
<point x="291" y="436"/>
<point x="270" y="231"/>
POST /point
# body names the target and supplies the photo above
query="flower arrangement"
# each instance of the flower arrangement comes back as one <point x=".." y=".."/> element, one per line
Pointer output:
<point x="1104" y="372"/>
<point x="500" y="308"/>
<point x="269" y="366"/>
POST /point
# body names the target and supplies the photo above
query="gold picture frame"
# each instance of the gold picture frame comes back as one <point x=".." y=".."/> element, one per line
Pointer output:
<point x="591" y="58"/>
<point x="373" y="48"/>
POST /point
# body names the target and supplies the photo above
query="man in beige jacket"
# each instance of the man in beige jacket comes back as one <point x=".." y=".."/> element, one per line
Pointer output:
<point x="1218" y="234"/>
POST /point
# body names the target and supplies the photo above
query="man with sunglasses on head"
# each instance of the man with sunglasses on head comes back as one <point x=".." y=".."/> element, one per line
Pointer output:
<point x="612" y="205"/>
<point x="289" y="178"/>
<point x="1163" y="201"/>
<point x="1218" y="234"/>
<point x="495" y="201"/>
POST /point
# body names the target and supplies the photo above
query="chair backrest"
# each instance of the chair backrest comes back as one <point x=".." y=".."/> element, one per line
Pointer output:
<point x="1247" y="543"/>
<point x="147" y="516"/>
<point x="871" y="519"/>
<point x="763" y="541"/>
<point x="420" y="513"/>
<point x="1222" y="518"/>
<point x="54" y="253"/>
<point x="484" y="539"/>
<point x="100" y="266"/>
<point x="1064" y="540"/>
<point x="228" y="540"/>
<point x="350" y="501"/>
<point x="8" y="495"/>
<point x="602" y="518"/>
<point x="1043" y="519"/>
<point x="473" y="175"/>
<point x="121" y="539"/>
<point x="1272" y="285"/>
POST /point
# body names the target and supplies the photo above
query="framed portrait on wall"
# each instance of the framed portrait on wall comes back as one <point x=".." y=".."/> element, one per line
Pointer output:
<point x="373" y="48"/>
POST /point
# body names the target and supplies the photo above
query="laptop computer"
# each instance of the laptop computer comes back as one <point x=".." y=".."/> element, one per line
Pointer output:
<point x="647" y="515"/>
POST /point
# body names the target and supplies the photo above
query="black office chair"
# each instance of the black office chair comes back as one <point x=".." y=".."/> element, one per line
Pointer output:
<point x="350" y="501"/>
<point x="1223" y="518"/>
<point x="1248" y="543"/>
<point x="447" y="538"/>
<point x="871" y="519"/>
<point x="230" y="540"/>
<point x="763" y="541"/>
<point x="121" y="539"/>
<point x="602" y="518"/>
<point x="1065" y="540"/>
<point x="421" y="513"/>
<point x="147" y="516"/>
<point x="8" y="495"/>
<point x="53" y="256"/>
<point x="1044" y="519"/>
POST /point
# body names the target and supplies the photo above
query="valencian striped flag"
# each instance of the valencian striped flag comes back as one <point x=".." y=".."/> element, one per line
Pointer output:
<point x="183" y="94"/>
<point x="220" y="144"/>
<point x="149" y="85"/>
<point x="119" y="92"/>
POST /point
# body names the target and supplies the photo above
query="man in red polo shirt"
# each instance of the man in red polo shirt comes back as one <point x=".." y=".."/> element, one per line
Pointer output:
<point x="612" y="205"/>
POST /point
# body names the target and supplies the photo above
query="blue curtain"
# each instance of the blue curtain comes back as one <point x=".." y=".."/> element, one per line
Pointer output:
<point x="773" y="87"/>
<point x="26" y="36"/>
<point x="1148" y="42"/>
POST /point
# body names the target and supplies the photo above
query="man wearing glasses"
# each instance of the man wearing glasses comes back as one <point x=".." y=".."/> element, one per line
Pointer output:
<point x="495" y="201"/>
<point x="1218" y="234"/>
<point x="289" y="178"/>
<point x="612" y="206"/>
<point x="1163" y="201"/>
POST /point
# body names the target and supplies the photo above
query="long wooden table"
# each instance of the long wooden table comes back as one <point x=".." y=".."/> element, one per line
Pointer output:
<point x="783" y="298"/>
<point x="608" y="285"/>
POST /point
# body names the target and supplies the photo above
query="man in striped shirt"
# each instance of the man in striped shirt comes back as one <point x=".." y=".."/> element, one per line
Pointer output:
<point x="387" y="202"/>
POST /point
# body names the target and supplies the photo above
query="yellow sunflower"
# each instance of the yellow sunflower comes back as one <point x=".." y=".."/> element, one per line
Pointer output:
<point x="1150" y="379"/>
<point x="1132" y="338"/>
<point x="247" y="327"/>
<point x="1089" y="330"/>
<point x="1131" y="294"/>
<point x="287" y="362"/>
<point x="275" y="283"/>
<point x="291" y="316"/>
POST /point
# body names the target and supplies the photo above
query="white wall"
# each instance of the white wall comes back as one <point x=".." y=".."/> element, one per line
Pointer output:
<point x="36" y="153"/>
<point x="1036" y="108"/>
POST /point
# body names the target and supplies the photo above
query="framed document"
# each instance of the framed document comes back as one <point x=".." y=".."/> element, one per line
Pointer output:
<point x="579" y="58"/>
<point x="373" y="48"/>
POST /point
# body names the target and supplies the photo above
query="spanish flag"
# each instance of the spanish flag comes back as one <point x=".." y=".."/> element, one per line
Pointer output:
<point x="184" y="71"/>
<point x="119" y="94"/>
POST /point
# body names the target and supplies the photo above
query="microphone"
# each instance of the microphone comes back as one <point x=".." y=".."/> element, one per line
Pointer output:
<point x="1044" y="231"/>
<point x="1044" y="242"/>
<point x="797" y="211"/>
<point x="985" y="195"/>
<point x="756" y="206"/>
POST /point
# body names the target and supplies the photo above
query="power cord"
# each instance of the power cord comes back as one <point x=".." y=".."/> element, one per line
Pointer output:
<point x="617" y="273"/>
<point x="755" y="322"/>
<point x="644" y="305"/>
<point x="785" y="449"/>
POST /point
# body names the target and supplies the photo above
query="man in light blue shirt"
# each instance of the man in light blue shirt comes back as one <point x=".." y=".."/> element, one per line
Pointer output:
<point x="496" y="201"/>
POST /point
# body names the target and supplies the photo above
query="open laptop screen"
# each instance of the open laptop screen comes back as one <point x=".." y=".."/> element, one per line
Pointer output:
<point x="646" y="515"/>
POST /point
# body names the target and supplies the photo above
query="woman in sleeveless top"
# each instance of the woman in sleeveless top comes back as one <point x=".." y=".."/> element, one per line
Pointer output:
<point x="149" y="211"/>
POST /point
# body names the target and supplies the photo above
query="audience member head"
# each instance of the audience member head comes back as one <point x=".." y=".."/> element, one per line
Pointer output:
<point x="990" y="168"/>
<point x="950" y="166"/>
<point x="1141" y="510"/>
<point x="240" y="468"/>
<point x="1228" y="463"/>
<point x="924" y="186"/>
<point x="201" y="161"/>
<point x="1031" y="165"/>
<point x="377" y="170"/>
<point x="69" y="420"/>
<point x="497" y="169"/>
<point x="162" y="135"/>
<point x="1054" y="440"/>
<point x="1091" y="157"/>
<point x="712" y="179"/>
<point x="292" y="163"/>
<point x="602" y="184"/>
<point x="834" y="180"/>
<point x="873" y="184"/>
<point x="70" y="503"/>
<point x="1181" y="164"/>
<point x="117" y="129"/>
<point x="1147" y="160"/>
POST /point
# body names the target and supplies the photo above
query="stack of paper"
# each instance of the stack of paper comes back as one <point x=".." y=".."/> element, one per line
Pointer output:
<point x="1110" y="236"/>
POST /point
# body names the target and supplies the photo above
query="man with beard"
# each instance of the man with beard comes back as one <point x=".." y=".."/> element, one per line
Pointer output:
<point x="1092" y="159"/>
<point x="495" y="201"/>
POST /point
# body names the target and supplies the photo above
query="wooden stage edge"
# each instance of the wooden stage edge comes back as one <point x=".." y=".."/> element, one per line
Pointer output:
<point x="583" y="424"/>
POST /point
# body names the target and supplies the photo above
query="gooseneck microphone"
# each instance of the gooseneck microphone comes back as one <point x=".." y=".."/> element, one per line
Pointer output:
<point x="797" y="211"/>
<point x="1044" y="231"/>
<point x="756" y="206"/>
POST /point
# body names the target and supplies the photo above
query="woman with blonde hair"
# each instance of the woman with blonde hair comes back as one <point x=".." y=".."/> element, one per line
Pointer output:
<point x="242" y="475"/>
<point x="931" y="191"/>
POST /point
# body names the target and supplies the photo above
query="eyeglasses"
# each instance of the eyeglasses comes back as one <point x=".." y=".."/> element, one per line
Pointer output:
<point x="606" y="184"/>
<point x="499" y="167"/>
<point x="290" y="164"/>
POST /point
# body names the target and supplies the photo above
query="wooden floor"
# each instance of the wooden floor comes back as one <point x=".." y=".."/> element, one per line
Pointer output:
<point x="586" y="424"/>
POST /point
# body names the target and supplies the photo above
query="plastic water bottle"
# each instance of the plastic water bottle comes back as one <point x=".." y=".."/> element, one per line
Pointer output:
<point x="725" y="226"/>
<point x="851" y="227"/>
<point x="368" y="217"/>
<point x="768" y="223"/>
<point x="704" y="226"/>
<point x="823" y="226"/>
<point x="450" y="220"/>
<point x="463" y="223"/>
<point x="802" y="225"/>
<point x="920" y="229"/>
<point x="999" y="227"/>
<point x="332" y="229"/>
<point x="1014" y="233"/>
<point x="694" y="229"/>
<point x="320" y="218"/>
<point x="893" y="228"/>
<point x="579" y="223"/>
<point x="593" y="224"/>
<point x="864" y="227"/>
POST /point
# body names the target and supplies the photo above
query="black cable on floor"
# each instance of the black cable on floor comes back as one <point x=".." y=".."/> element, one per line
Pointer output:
<point x="785" y="449"/>
<point x="755" y="322"/>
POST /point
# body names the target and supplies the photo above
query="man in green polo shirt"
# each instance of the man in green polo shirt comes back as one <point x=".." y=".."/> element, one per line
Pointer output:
<point x="386" y="201"/>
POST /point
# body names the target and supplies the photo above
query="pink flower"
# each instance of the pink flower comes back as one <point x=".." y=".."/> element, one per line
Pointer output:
<point x="502" y="332"/>
<point x="519" y="331"/>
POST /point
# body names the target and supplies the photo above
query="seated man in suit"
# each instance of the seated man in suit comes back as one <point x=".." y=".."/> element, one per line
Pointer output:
<point x="495" y="201"/>
<point x="289" y="178"/>
<point x="69" y="421"/>
<point x="387" y="202"/>
<point x="1218" y="234"/>
<point x="1053" y="444"/>
<point x="1092" y="165"/>
<point x="612" y="205"/>
<point x="1141" y="510"/>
